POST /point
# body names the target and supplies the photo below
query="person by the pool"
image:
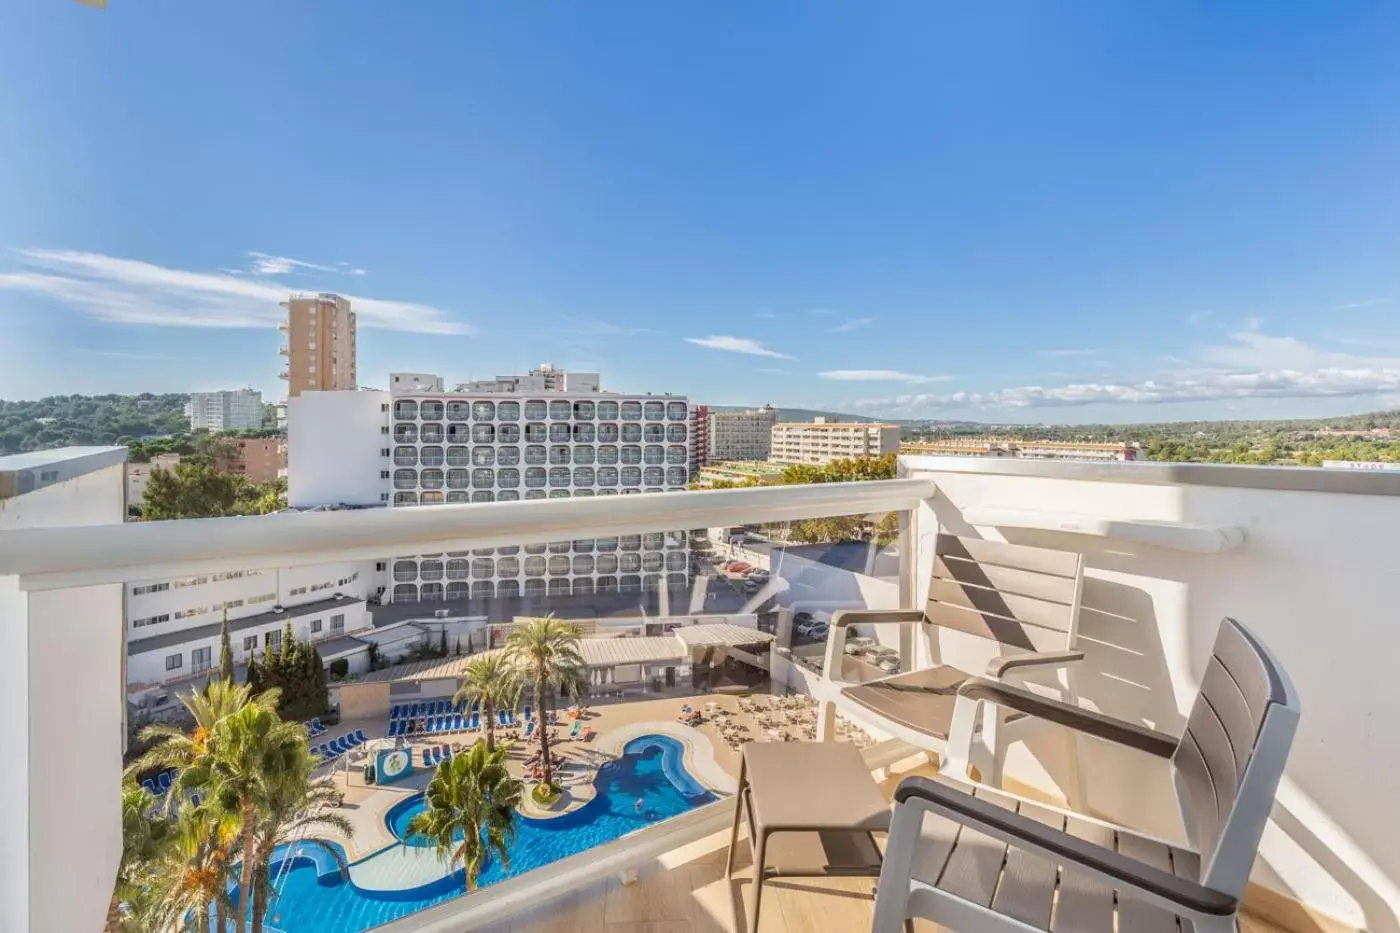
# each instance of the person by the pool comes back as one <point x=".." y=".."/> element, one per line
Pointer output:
<point x="638" y="805"/>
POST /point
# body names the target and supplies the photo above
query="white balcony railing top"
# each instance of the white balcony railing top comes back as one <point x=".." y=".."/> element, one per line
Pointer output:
<point x="56" y="558"/>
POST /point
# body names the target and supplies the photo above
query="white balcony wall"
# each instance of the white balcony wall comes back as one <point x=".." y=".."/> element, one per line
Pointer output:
<point x="61" y="722"/>
<point x="1313" y="577"/>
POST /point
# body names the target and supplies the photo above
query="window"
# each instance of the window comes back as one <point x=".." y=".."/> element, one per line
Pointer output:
<point x="149" y="588"/>
<point x="201" y="659"/>
<point x="193" y="581"/>
<point x="151" y="620"/>
<point x="191" y="613"/>
<point x="250" y="643"/>
<point x="173" y="662"/>
<point x="315" y="626"/>
<point x="383" y="474"/>
<point x="263" y="598"/>
<point x="297" y="591"/>
<point x="273" y="639"/>
<point x="337" y="624"/>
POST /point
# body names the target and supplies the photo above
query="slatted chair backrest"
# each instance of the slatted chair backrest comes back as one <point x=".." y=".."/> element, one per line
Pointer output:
<point x="1232" y="755"/>
<point x="1022" y="597"/>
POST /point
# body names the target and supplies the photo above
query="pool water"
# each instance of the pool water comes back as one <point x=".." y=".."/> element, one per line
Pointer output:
<point x="651" y="769"/>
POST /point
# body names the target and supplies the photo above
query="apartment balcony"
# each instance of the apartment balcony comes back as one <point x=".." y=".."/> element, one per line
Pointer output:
<point x="1299" y="555"/>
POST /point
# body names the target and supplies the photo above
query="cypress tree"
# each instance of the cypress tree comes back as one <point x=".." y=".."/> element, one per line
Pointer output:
<point x="225" y="651"/>
<point x="255" y="680"/>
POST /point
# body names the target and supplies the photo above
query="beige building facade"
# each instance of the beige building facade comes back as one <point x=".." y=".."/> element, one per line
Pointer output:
<point x="821" y="441"/>
<point x="320" y="348"/>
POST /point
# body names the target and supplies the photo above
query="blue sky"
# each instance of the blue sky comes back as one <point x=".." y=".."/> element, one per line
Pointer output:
<point x="1017" y="211"/>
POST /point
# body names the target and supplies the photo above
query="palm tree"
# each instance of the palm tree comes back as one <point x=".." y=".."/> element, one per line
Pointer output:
<point x="174" y="747"/>
<point x="195" y="872"/>
<point x="470" y="811"/>
<point x="493" y="682"/>
<point x="546" y="652"/>
<point x="144" y="838"/>
<point x="298" y="803"/>
<point x="248" y="752"/>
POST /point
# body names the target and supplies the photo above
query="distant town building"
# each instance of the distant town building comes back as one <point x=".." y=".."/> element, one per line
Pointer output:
<point x="699" y="438"/>
<point x="237" y="410"/>
<point x="259" y="459"/>
<point x="1027" y="450"/>
<point x="822" y="440"/>
<point x="741" y="435"/>
<point x="320" y="347"/>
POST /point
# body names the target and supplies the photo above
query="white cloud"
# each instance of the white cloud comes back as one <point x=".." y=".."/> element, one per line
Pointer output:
<point x="855" y="323"/>
<point x="737" y="345"/>
<point x="1367" y="303"/>
<point x="595" y="328"/>
<point x="1252" y="365"/>
<point x="264" y="264"/>
<point x="879" y="375"/>
<point x="130" y="291"/>
<point x="1070" y="351"/>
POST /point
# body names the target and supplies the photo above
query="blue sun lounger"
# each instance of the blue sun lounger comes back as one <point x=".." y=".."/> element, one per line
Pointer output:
<point x="360" y="737"/>
<point x="427" y="759"/>
<point x="529" y="728"/>
<point x="476" y="720"/>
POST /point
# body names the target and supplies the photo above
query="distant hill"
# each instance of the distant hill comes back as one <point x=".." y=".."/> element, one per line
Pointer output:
<point x="800" y="414"/>
<point x="66" y="420"/>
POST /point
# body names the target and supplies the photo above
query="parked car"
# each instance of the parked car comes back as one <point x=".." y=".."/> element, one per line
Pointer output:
<point x="815" y="631"/>
<point x="758" y="573"/>
<point x="802" y="618"/>
<point x="753" y="586"/>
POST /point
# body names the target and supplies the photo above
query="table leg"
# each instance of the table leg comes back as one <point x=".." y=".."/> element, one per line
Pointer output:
<point x="758" y="846"/>
<point x="738" y="815"/>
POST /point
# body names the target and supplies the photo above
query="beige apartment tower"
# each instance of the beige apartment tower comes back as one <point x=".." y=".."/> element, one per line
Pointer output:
<point x="320" y="348"/>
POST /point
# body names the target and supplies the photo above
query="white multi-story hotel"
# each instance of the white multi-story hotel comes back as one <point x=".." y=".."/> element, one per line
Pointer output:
<point x="545" y="435"/>
<point x="238" y="410"/>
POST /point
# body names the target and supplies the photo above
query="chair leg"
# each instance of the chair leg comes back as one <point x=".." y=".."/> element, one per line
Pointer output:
<point x="826" y="722"/>
<point x="758" y="852"/>
<point x="892" y="890"/>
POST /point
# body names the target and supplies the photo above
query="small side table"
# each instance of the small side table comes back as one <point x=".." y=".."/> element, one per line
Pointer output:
<point x="821" y="798"/>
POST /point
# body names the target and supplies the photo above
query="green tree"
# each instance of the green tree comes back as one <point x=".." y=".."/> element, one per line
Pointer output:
<point x="145" y="837"/>
<point x="172" y="747"/>
<point x="494" y="682"/>
<point x="249" y="752"/>
<point x="298" y="808"/>
<point x="191" y="490"/>
<point x="470" y="810"/>
<point x="225" y="651"/>
<point x="545" y="651"/>
<point x="195" y="874"/>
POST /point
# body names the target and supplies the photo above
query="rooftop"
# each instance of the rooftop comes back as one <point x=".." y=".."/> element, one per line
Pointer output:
<point x="22" y="473"/>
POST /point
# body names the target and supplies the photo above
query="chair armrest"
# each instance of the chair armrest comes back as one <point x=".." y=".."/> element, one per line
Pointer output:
<point x="844" y="618"/>
<point x="998" y="667"/>
<point x="1024" y="832"/>
<point x="1119" y="731"/>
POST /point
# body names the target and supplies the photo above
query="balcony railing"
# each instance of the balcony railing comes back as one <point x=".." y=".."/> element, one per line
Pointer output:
<point x="1303" y="556"/>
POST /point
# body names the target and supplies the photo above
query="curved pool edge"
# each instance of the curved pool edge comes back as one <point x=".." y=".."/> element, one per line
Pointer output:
<point x="700" y="753"/>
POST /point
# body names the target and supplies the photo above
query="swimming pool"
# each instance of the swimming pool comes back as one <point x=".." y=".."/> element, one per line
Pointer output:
<point x="651" y="769"/>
